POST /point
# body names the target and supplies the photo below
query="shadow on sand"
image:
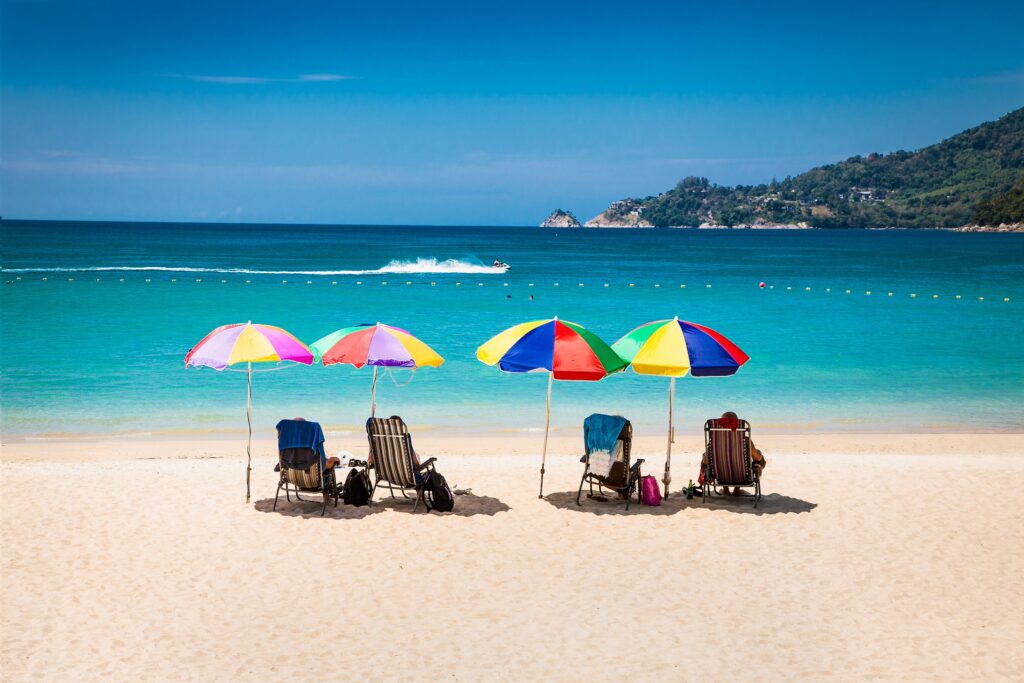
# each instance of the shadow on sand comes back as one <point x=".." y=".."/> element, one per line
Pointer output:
<point x="311" y="506"/>
<point x="467" y="505"/>
<point x="770" y="504"/>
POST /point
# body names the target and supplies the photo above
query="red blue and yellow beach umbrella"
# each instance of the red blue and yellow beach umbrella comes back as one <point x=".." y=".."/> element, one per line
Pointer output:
<point x="377" y="345"/>
<point x="247" y="343"/>
<point x="564" y="350"/>
<point x="674" y="348"/>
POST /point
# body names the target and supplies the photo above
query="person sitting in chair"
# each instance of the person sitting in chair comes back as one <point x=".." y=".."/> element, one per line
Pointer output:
<point x="329" y="463"/>
<point x="730" y="420"/>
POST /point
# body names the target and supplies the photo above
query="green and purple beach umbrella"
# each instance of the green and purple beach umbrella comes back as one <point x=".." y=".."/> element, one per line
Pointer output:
<point x="247" y="343"/>
<point x="377" y="345"/>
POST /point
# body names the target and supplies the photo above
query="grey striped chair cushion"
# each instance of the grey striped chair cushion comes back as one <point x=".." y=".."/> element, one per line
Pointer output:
<point x="307" y="480"/>
<point x="391" y="450"/>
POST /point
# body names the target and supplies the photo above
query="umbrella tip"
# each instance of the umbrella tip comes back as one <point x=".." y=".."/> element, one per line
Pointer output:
<point x="556" y="318"/>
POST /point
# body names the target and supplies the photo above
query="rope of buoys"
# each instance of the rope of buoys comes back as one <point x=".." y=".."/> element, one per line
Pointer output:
<point x="632" y="285"/>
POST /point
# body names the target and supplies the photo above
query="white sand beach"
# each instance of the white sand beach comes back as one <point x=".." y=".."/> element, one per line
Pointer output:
<point x="871" y="557"/>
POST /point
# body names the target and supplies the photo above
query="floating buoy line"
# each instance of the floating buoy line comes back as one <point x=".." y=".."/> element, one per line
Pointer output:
<point x="763" y="286"/>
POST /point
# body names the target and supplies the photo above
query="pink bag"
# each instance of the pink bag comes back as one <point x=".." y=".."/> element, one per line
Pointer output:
<point x="650" y="492"/>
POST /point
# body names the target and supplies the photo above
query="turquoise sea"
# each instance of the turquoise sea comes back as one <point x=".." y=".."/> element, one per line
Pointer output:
<point x="97" y="351"/>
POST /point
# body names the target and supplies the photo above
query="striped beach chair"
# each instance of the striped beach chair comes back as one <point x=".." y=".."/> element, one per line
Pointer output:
<point x="727" y="452"/>
<point x="393" y="460"/>
<point x="624" y="477"/>
<point x="302" y="469"/>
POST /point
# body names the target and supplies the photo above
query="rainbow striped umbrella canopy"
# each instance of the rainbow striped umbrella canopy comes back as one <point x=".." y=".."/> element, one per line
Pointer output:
<point x="564" y="350"/>
<point x="673" y="348"/>
<point x="247" y="343"/>
<point x="378" y="345"/>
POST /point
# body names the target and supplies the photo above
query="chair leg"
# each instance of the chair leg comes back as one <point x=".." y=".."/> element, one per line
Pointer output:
<point x="419" y="496"/>
<point x="277" y="494"/>
<point x="323" y="511"/>
<point x="580" y="492"/>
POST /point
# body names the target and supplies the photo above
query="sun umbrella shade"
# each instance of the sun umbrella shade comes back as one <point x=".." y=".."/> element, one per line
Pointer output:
<point x="671" y="348"/>
<point x="566" y="350"/>
<point x="377" y="345"/>
<point x="560" y="348"/>
<point x="247" y="343"/>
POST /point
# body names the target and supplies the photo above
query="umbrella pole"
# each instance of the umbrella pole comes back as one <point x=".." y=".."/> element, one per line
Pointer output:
<point x="248" y="418"/>
<point x="373" y="394"/>
<point x="547" y="428"/>
<point x="667" y="479"/>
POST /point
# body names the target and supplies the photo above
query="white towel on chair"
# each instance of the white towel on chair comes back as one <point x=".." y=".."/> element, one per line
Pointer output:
<point x="601" y="461"/>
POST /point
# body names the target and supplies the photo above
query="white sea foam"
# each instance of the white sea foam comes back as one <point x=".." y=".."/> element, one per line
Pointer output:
<point x="420" y="265"/>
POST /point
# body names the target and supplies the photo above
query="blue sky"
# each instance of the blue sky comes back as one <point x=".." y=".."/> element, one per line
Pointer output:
<point x="468" y="113"/>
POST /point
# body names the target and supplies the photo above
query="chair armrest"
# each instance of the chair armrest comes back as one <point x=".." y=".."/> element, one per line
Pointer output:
<point x="583" y="458"/>
<point x="636" y="464"/>
<point x="427" y="462"/>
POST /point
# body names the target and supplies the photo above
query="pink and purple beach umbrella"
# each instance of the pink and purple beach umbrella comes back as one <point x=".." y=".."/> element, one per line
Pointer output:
<point x="673" y="348"/>
<point x="247" y="343"/>
<point x="378" y="345"/>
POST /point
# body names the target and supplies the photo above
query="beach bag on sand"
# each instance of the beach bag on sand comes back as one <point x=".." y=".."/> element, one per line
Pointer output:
<point x="356" y="490"/>
<point x="436" y="493"/>
<point x="650" y="493"/>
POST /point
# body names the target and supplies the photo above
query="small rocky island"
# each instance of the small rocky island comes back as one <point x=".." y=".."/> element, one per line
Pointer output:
<point x="560" y="219"/>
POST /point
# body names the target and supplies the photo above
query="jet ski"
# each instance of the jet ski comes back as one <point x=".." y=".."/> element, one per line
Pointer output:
<point x="500" y="264"/>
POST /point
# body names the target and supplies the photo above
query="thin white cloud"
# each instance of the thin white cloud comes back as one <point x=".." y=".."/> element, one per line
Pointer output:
<point x="1011" y="76"/>
<point x="257" y="80"/>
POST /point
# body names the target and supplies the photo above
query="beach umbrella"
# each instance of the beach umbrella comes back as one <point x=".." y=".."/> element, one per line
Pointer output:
<point x="377" y="345"/>
<point x="247" y="343"/>
<point x="673" y="348"/>
<point x="564" y="350"/>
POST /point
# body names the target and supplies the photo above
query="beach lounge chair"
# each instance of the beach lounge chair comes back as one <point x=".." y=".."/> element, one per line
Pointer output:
<point x="393" y="460"/>
<point x="727" y="453"/>
<point x="616" y="433"/>
<point x="302" y="462"/>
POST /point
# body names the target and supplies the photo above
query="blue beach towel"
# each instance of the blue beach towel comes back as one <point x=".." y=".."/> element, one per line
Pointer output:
<point x="600" y="432"/>
<point x="301" y="434"/>
<point x="600" y="436"/>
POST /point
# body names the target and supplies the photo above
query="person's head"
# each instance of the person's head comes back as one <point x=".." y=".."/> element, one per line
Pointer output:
<point x="729" y="415"/>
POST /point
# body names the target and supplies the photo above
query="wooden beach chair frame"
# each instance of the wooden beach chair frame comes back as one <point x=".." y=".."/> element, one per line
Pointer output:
<point x="310" y="480"/>
<point x="392" y="459"/>
<point x="630" y="470"/>
<point x="717" y="462"/>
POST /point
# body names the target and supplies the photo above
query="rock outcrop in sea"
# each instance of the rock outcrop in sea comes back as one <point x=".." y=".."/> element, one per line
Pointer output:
<point x="560" y="219"/>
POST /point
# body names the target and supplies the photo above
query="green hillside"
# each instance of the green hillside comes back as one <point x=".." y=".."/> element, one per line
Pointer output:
<point x="965" y="179"/>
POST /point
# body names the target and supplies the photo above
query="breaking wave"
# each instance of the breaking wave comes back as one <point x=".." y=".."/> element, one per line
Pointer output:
<point x="420" y="265"/>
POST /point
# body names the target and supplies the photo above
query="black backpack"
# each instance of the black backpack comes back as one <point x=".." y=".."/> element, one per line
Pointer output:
<point x="437" y="495"/>
<point x="356" y="490"/>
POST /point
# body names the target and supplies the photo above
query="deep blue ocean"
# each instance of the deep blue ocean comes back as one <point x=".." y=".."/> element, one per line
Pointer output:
<point x="101" y="351"/>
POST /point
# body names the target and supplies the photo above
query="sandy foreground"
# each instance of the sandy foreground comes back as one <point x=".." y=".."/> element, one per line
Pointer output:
<point x="871" y="557"/>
